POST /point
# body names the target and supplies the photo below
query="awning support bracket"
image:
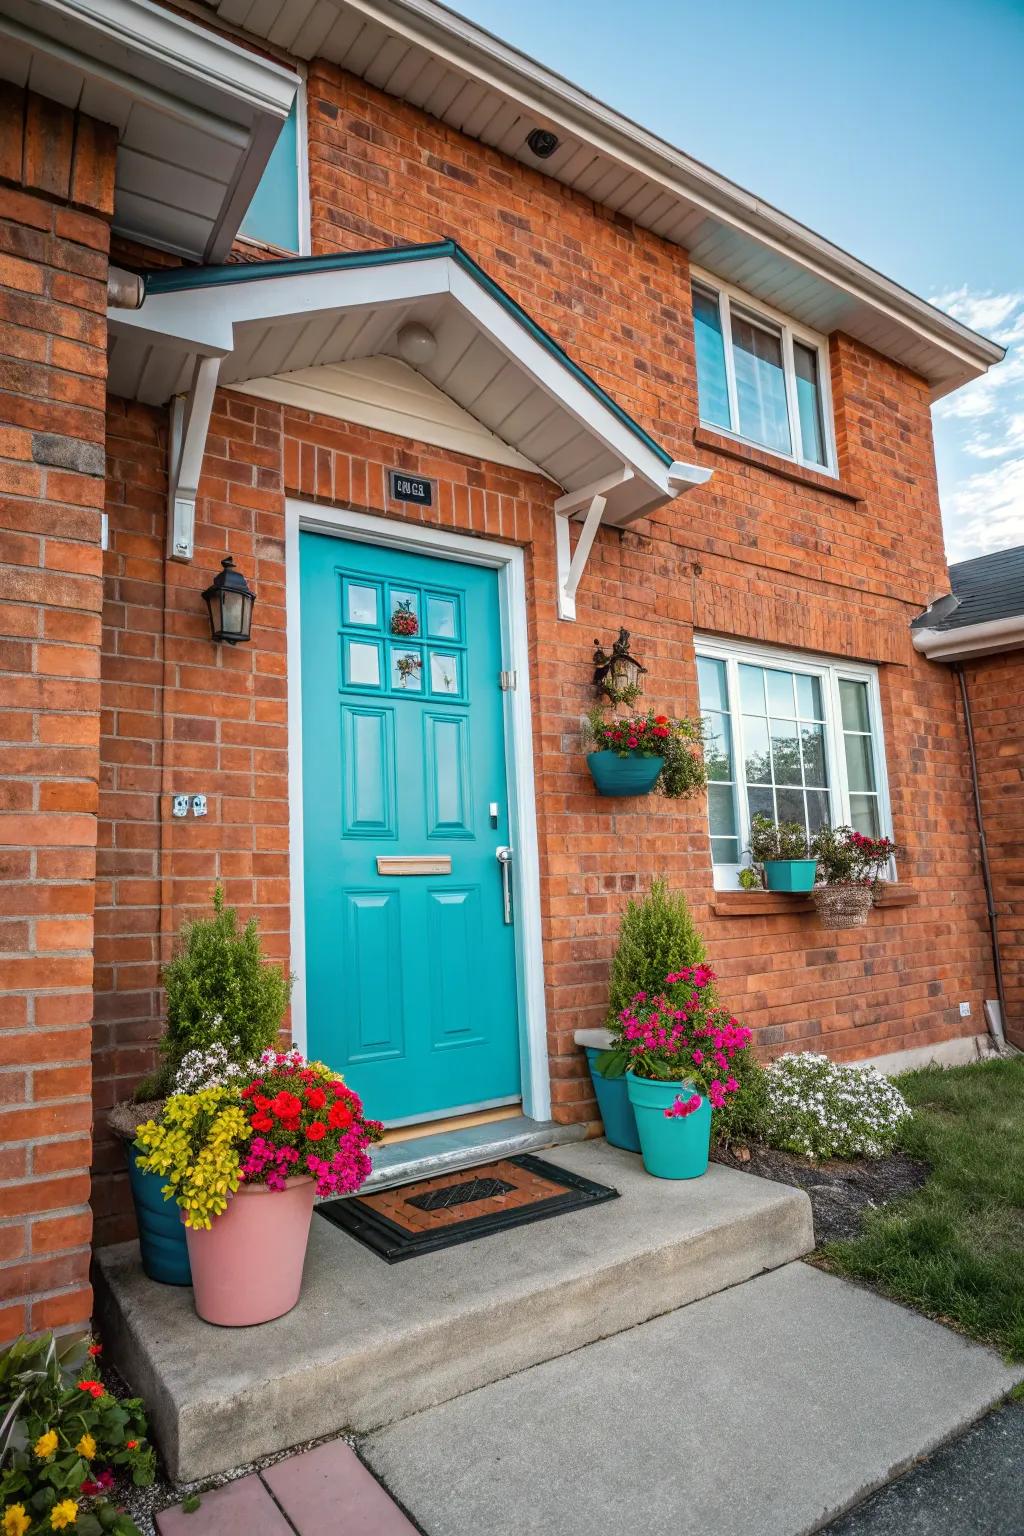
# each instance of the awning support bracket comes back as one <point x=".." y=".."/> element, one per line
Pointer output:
<point x="190" y="422"/>
<point x="590" y="501"/>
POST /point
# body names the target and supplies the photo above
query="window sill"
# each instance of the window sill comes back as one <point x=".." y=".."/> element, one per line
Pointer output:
<point x="777" y="903"/>
<point x="718" y="442"/>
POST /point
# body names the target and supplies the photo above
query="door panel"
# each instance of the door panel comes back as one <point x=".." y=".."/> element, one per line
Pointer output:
<point x="411" y="979"/>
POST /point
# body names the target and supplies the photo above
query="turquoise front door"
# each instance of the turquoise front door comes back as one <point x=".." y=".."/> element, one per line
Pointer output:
<point x="410" y="955"/>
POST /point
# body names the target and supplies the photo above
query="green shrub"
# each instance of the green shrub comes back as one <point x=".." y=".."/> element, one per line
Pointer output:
<point x="64" y="1440"/>
<point x="776" y="840"/>
<point x="821" y="1108"/>
<point x="657" y="936"/>
<point x="220" y="991"/>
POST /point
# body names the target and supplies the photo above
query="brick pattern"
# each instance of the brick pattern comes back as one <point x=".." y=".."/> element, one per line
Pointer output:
<point x="762" y="555"/>
<point x="56" y="187"/>
<point x="995" y="687"/>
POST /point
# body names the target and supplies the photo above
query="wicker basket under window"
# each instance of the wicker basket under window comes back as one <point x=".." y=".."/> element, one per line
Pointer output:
<point x="843" y="906"/>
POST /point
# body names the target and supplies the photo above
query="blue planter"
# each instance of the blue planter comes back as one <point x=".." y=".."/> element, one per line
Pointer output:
<point x="632" y="775"/>
<point x="790" y="874"/>
<point x="616" y="1111"/>
<point x="674" y="1147"/>
<point x="161" y="1229"/>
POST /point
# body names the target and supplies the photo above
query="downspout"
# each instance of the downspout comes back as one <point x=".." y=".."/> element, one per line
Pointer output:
<point x="999" y="1038"/>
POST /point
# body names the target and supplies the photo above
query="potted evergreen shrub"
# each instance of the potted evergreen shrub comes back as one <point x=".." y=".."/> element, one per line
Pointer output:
<point x="657" y="935"/>
<point x="782" y="851"/>
<point x="225" y="1005"/>
<point x="849" y="872"/>
<point x="633" y="756"/>
<point x="681" y="1048"/>
<point x="242" y="1161"/>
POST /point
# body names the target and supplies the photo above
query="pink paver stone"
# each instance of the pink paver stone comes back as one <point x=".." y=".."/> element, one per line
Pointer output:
<point x="332" y="1483"/>
<point x="242" y="1508"/>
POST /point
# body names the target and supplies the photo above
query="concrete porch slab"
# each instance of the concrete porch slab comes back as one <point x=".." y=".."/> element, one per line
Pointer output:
<point x="764" y="1410"/>
<point x="370" y="1343"/>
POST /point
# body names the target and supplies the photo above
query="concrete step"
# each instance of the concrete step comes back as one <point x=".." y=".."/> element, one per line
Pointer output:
<point x="369" y="1343"/>
<point x="426" y="1157"/>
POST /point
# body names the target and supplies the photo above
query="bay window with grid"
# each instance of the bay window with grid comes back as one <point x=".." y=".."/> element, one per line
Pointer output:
<point x="797" y="739"/>
<point x="760" y="378"/>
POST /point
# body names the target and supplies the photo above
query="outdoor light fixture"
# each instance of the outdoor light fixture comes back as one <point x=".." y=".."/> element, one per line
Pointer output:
<point x="618" y="675"/>
<point x="416" y="344"/>
<point x="543" y="143"/>
<point x="230" y="603"/>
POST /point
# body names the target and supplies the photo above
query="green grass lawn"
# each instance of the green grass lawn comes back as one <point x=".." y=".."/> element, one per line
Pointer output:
<point x="955" y="1248"/>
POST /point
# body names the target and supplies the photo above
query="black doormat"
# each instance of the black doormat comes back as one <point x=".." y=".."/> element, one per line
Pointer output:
<point x="458" y="1207"/>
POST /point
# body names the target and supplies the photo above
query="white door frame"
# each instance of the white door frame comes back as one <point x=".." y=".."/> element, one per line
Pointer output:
<point x="306" y="516"/>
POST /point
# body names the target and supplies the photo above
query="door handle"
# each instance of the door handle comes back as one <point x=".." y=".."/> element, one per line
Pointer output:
<point x="504" y="858"/>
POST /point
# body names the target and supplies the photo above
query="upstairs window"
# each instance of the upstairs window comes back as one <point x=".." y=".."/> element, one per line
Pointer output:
<point x="274" y="215"/>
<point x="760" y="379"/>
<point x="796" y="739"/>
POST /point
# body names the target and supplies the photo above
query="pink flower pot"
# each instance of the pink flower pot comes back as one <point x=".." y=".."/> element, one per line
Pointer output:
<point x="248" y="1267"/>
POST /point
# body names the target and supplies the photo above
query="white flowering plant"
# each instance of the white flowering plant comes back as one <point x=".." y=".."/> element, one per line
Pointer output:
<point x="823" y="1109"/>
<point x="219" y="1065"/>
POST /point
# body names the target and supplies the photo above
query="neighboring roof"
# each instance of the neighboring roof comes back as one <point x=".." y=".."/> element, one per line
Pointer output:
<point x="983" y="611"/>
<point x="196" y="114"/>
<point x="279" y="318"/>
<point x="428" y="55"/>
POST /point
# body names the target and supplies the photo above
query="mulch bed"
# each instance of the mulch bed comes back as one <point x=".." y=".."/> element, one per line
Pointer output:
<point x="839" y="1192"/>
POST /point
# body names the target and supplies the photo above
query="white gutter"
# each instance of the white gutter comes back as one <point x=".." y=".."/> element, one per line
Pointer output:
<point x="564" y="106"/>
<point x="970" y="639"/>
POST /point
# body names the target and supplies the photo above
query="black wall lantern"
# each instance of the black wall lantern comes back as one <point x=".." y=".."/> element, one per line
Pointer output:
<point x="618" y="676"/>
<point x="230" y="603"/>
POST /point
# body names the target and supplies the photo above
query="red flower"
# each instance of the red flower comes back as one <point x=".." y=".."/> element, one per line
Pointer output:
<point x="290" y="1123"/>
<point x="316" y="1098"/>
<point x="661" y="730"/>
<point x="131" y="1445"/>
<point x="661" y="719"/>
<point x="337" y="1087"/>
<point x="95" y="1349"/>
<point x="286" y="1105"/>
<point x="262" y="1122"/>
<point x="261" y="1101"/>
<point x="317" y="1131"/>
<point x="255" y="1087"/>
<point x="340" y="1117"/>
<point x="94" y="1388"/>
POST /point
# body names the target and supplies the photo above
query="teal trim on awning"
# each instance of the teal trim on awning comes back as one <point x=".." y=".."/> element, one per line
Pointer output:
<point x="180" y="279"/>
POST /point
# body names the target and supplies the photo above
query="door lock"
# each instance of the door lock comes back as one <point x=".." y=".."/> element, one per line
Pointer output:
<point x="504" y="858"/>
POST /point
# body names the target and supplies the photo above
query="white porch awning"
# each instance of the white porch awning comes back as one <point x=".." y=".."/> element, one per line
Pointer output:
<point x="234" y="324"/>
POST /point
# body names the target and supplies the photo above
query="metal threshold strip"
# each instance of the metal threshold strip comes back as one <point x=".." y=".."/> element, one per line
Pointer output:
<point x="403" y="1162"/>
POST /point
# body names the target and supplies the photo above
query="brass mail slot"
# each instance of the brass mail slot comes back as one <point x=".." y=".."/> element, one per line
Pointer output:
<point x="418" y="864"/>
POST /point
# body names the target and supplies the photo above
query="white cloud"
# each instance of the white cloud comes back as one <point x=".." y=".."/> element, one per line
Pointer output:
<point x="983" y="423"/>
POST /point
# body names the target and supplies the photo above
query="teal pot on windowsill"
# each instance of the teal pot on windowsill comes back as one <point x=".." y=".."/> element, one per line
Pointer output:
<point x="790" y="874"/>
<point x="673" y="1147"/>
<point x="634" y="774"/>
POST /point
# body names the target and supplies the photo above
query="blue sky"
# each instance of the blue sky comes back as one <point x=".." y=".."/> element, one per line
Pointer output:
<point x="893" y="127"/>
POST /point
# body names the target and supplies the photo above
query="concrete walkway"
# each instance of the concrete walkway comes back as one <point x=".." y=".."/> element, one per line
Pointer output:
<point x="319" y="1491"/>
<point x="765" y="1410"/>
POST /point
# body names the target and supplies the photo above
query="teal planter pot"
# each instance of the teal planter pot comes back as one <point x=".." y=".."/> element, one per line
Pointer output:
<point x="673" y="1147"/>
<point x="615" y="775"/>
<point x="613" y="1102"/>
<point x="161" y="1230"/>
<point x="790" y="874"/>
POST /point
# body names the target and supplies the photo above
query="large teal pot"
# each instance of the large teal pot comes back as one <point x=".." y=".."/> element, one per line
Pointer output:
<point x="613" y="1101"/>
<point x="790" y="874"/>
<point x="673" y="1147"/>
<point x="161" y="1232"/>
<point x="632" y="775"/>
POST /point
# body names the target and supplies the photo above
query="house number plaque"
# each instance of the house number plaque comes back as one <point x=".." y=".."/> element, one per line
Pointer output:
<point x="412" y="488"/>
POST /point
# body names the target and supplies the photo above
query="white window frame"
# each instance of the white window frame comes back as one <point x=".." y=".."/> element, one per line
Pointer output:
<point x="304" y="216"/>
<point x="830" y="673"/>
<point x="727" y="295"/>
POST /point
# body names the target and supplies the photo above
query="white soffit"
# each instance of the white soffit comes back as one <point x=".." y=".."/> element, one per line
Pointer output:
<point x="425" y="54"/>
<point x="385" y="393"/>
<point x="196" y="114"/>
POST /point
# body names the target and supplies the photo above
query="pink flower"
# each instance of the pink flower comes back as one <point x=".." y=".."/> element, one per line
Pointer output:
<point x="698" y="1057"/>
<point x="682" y="1107"/>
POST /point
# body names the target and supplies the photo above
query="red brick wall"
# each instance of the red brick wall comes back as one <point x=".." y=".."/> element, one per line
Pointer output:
<point x="56" y="186"/>
<point x="761" y="553"/>
<point x="995" y="690"/>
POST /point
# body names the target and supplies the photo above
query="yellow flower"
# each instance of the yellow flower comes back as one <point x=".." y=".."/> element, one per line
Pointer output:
<point x="63" y="1514"/>
<point x="16" y="1522"/>
<point x="86" y="1447"/>
<point x="46" y="1444"/>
